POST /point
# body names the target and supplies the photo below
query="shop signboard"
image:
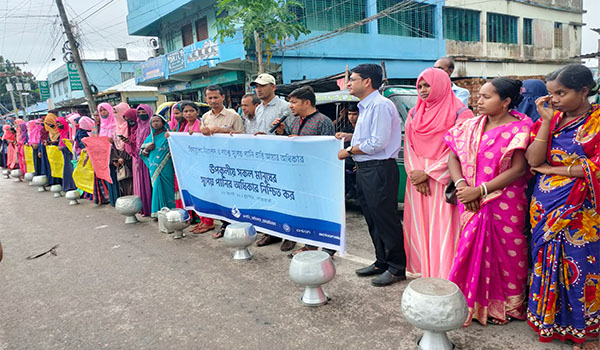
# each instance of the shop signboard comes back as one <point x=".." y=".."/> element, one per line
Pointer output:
<point x="44" y="90"/>
<point x="176" y="61"/>
<point x="74" y="78"/>
<point x="153" y="68"/>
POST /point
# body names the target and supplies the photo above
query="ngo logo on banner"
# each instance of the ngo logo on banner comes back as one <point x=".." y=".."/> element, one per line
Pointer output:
<point x="288" y="187"/>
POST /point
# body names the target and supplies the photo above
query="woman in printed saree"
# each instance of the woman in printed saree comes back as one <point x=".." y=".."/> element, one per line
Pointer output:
<point x="118" y="155"/>
<point x="104" y="191"/>
<point x="157" y="157"/>
<point x="431" y="226"/>
<point x="488" y="166"/>
<point x="191" y="113"/>
<point x="564" y="297"/>
<point x="178" y="122"/>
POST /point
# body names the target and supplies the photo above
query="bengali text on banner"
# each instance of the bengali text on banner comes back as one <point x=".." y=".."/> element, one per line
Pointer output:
<point x="290" y="187"/>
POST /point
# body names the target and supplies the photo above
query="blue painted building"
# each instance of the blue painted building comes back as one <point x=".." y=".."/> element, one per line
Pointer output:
<point x="189" y="59"/>
<point x="101" y="75"/>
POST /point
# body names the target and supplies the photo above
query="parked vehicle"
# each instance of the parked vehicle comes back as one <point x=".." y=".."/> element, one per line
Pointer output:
<point x="404" y="97"/>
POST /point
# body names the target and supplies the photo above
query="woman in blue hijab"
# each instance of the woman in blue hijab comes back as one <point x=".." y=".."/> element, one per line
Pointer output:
<point x="531" y="90"/>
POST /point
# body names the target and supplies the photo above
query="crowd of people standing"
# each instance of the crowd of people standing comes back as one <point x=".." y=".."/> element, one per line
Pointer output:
<point x="532" y="154"/>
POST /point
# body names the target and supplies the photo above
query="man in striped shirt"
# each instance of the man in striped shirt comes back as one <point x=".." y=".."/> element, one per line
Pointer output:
<point x="307" y="120"/>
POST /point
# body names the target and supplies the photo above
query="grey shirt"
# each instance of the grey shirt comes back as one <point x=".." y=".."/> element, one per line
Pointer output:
<point x="265" y="115"/>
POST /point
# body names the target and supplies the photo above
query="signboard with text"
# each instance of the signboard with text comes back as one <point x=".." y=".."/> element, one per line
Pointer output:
<point x="290" y="187"/>
<point x="44" y="90"/>
<point x="74" y="78"/>
<point x="176" y="61"/>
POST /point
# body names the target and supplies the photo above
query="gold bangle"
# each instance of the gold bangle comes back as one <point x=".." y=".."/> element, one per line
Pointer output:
<point x="541" y="140"/>
<point x="480" y="191"/>
<point x="569" y="170"/>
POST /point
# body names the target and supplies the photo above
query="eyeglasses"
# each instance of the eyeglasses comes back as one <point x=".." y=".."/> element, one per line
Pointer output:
<point x="354" y="79"/>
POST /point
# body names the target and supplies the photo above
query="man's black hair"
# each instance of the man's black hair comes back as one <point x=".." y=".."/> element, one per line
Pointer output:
<point x="305" y="93"/>
<point x="372" y="71"/>
<point x="215" y="88"/>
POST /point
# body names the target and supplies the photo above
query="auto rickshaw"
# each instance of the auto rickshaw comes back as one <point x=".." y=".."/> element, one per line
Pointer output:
<point x="404" y="97"/>
<point x="165" y="108"/>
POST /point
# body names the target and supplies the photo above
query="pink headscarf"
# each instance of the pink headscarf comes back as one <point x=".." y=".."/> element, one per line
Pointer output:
<point x="131" y="115"/>
<point x="8" y="134"/>
<point x="121" y="128"/>
<point x="173" y="123"/>
<point x="193" y="127"/>
<point x="71" y="118"/>
<point x="86" y="123"/>
<point x="430" y="119"/>
<point x="34" y="131"/>
<point x="143" y="127"/>
<point x="64" y="131"/>
<point x="108" y="124"/>
<point x="18" y="123"/>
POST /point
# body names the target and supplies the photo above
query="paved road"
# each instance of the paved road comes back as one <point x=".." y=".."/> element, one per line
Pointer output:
<point x="116" y="286"/>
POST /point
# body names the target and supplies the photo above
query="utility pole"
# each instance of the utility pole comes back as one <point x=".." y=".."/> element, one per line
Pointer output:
<point x="12" y="96"/>
<point x="75" y="50"/>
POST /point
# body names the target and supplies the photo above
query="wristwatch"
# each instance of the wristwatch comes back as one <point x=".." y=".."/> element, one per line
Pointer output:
<point x="349" y="150"/>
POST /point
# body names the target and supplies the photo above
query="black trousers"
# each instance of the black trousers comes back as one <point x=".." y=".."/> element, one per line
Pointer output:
<point x="377" y="189"/>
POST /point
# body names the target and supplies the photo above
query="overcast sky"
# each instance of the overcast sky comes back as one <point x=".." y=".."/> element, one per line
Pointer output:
<point x="25" y="35"/>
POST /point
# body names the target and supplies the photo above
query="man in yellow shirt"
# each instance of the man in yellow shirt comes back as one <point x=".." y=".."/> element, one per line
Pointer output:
<point x="219" y="120"/>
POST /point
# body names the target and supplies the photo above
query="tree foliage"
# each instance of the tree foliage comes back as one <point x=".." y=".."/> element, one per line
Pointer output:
<point x="16" y="75"/>
<point x="273" y="20"/>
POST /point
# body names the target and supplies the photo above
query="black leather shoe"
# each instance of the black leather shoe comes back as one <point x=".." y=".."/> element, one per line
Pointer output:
<point x="370" y="270"/>
<point x="386" y="279"/>
<point x="287" y="245"/>
<point x="267" y="239"/>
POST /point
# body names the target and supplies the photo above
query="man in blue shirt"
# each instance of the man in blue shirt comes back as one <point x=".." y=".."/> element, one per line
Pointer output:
<point x="374" y="146"/>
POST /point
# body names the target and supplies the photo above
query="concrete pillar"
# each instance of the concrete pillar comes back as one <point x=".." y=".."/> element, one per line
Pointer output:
<point x="372" y="27"/>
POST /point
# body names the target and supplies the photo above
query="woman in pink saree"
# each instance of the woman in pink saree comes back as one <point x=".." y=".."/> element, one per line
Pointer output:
<point x="488" y="166"/>
<point x="21" y="128"/>
<point x="431" y="226"/>
<point x="11" y="146"/>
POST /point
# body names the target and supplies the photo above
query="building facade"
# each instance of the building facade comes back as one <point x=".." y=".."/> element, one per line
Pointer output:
<point x="512" y="37"/>
<point x="189" y="59"/>
<point x="65" y="84"/>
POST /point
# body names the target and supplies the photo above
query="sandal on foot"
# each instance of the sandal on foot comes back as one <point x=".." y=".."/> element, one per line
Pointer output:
<point x="205" y="228"/>
<point x="499" y="322"/>
<point x="219" y="234"/>
<point x="298" y="251"/>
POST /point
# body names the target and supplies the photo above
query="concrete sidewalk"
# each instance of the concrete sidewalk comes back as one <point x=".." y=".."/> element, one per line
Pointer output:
<point x="117" y="286"/>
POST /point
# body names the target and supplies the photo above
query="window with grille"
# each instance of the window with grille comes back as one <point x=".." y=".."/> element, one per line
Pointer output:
<point x="328" y="15"/>
<point x="527" y="31"/>
<point x="501" y="28"/>
<point x="127" y="75"/>
<point x="461" y="24"/>
<point x="201" y="29"/>
<point x="187" y="35"/>
<point x="558" y="35"/>
<point x="415" y="19"/>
